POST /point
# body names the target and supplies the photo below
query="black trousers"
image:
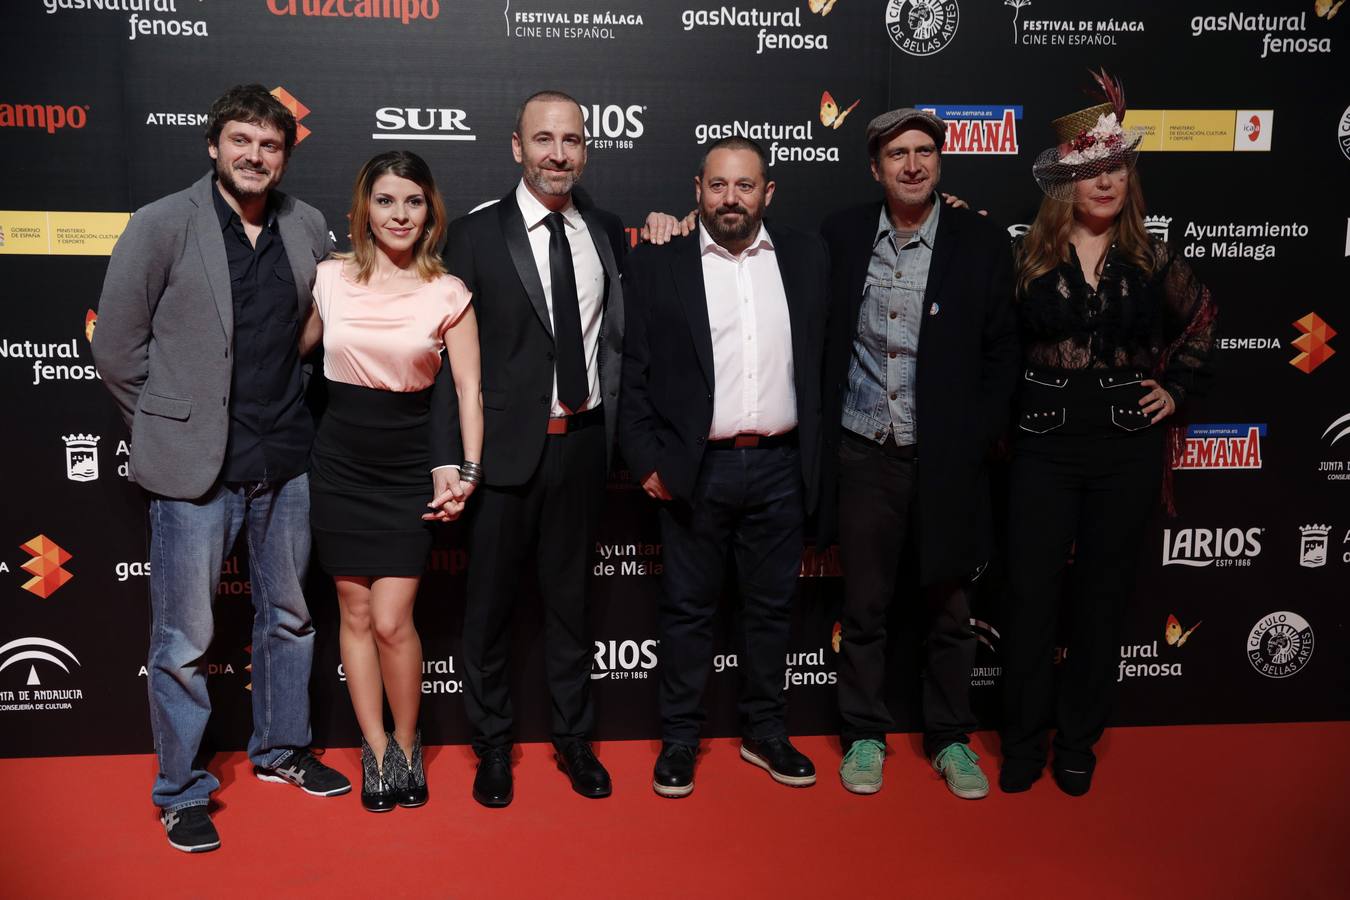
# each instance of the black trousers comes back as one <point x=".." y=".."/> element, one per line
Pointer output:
<point x="878" y="505"/>
<point x="554" y="515"/>
<point x="1089" y="497"/>
<point x="746" y="504"/>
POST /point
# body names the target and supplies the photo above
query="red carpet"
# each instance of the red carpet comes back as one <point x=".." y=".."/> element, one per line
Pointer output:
<point x="1215" y="811"/>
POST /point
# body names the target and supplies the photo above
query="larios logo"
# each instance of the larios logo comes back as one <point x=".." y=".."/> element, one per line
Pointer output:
<point x="978" y="130"/>
<point x="49" y="117"/>
<point x="1269" y="26"/>
<point x="153" y="24"/>
<point x="1314" y="343"/>
<point x="1221" y="447"/>
<point x="1219" y="547"/>
<point x="403" y="11"/>
<point x="422" y="124"/>
<point x="622" y="660"/>
<point x="786" y="25"/>
<point x="613" y="127"/>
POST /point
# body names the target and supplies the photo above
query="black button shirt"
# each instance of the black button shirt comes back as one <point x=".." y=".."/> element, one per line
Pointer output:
<point x="270" y="427"/>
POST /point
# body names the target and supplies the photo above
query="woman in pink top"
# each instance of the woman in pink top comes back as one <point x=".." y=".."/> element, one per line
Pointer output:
<point x="384" y="312"/>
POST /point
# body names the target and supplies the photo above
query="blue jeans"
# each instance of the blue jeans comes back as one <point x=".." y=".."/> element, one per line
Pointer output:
<point x="189" y="542"/>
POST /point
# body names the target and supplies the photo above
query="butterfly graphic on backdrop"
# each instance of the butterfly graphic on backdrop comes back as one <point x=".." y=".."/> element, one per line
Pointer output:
<point x="823" y="7"/>
<point x="1175" y="636"/>
<point x="836" y="636"/>
<point x="830" y="116"/>
<point x="1325" y="9"/>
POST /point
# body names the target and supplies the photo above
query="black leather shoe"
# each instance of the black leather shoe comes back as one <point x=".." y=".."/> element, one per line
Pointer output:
<point x="377" y="794"/>
<point x="674" y="772"/>
<point x="1017" y="776"/>
<point x="780" y="759"/>
<point x="410" y="787"/>
<point x="492" y="785"/>
<point x="589" y="778"/>
<point x="1073" y="781"/>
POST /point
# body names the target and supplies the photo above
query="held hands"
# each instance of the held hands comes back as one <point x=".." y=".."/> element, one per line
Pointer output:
<point x="449" y="495"/>
<point x="661" y="227"/>
<point x="655" y="488"/>
<point x="1157" y="402"/>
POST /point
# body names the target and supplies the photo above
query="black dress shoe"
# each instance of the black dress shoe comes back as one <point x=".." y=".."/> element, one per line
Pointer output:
<point x="674" y="772"/>
<point x="1016" y="776"/>
<point x="589" y="778"/>
<point x="492" y="785"/>
<point x="377" y="793"/>
<point x="410" y="785"/>
<point x="780" y="759"/>
<point x="1073" y="781"/>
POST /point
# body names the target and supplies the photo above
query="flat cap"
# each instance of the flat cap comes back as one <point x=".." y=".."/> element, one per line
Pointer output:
<point x="890" y="122"/>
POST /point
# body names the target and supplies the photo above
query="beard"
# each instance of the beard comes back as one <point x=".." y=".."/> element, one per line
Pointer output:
<point x="548" y="181"/>
<point x="239" y="189"/>
<point x="721" y="230"/>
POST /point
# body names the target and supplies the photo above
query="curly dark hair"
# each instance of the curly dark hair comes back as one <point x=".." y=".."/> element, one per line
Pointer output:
<point x="254" y="104"/>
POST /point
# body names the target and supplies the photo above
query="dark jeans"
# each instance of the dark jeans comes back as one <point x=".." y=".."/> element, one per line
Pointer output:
<point x="1088" y="497"/>
<point x="878" y="505"/>
<point x="747" y="503"/>
<point x="559" y="508"/>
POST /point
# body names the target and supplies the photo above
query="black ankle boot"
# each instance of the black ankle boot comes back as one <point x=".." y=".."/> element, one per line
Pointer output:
<point x="377" y="795"/>
<point x="411" y="787"/>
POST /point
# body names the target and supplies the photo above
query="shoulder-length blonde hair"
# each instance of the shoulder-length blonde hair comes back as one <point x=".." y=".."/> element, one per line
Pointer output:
<point x="1046" y="244"/>
<point x="427" y="251"/>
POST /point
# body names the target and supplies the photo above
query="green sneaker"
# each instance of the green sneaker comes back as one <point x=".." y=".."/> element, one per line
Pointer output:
<point x="959" y="765"/>
<point x="861" y="769"/>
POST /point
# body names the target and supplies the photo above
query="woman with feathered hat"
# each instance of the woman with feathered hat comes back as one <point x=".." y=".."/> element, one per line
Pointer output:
<point x="1117" y="334"/>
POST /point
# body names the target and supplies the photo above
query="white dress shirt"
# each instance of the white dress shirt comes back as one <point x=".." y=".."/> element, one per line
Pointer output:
<point x="754" y="390"/>
<point x="590" y="275"/>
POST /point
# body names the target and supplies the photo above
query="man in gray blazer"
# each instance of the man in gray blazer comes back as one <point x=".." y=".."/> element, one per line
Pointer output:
<point x="197" y="341"/>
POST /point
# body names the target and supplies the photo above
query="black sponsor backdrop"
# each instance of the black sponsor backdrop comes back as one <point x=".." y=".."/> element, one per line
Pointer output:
<point x="656" y="91"/>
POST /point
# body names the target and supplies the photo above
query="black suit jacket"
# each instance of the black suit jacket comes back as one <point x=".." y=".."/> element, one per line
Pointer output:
<point x="490" y="251"/>
<point x="966" y="371"/>
<point x="667" y="405"/>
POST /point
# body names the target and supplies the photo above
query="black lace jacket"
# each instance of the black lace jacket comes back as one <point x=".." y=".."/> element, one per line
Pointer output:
<point x="1164" y="323"/>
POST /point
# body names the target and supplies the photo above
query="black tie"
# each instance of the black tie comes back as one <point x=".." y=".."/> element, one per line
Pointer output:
<point x="573" y="388"/>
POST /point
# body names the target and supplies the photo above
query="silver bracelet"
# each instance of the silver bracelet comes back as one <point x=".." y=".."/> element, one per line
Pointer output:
<point x="471" y="472"/>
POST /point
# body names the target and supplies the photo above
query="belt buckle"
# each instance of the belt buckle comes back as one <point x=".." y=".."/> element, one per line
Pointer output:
<point x="743" y="441"/>
<point x="558" y="425"/>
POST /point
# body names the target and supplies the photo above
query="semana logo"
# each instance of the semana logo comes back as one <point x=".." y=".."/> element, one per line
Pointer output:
<point x="978" y="130"/>
<point x="402" y="11"/>
<point x="48" y="117"/>
<point x="1279" y="34"/>
<point x="1218" y="547"/>
<point x="393" y="123"/>
<point x="1221" y="447"/>
<point x="81" y="456"/>
<point x="776" y="29"/>
<point x="597" y="25"/>
<point x="623" y="660"/>
<point x="152" y="18"/>
<point x="613" y="127"/>
<point x="1280" y="644"/>
<point x="298" y="109"/>
<point x="1313" y="544"/>
<point x="1336" y="469"/>
<point x="1313" y="344"/>
<point x="922" y="27"/>
<point x="34" y="696"/>
<point x="45" y="566"/>
<point x="1068" y="32"/>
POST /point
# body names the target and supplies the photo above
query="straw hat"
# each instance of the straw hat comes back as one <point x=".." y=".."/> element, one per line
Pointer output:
<point x="1091" y="141"/>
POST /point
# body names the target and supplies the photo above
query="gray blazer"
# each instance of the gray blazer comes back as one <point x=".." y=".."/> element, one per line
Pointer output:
<point x="164" y="342"/>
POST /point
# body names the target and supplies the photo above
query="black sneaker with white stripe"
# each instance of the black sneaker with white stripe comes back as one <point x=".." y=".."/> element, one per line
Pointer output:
<point x="303" y="770"/>
<point x="190" y="829"/>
